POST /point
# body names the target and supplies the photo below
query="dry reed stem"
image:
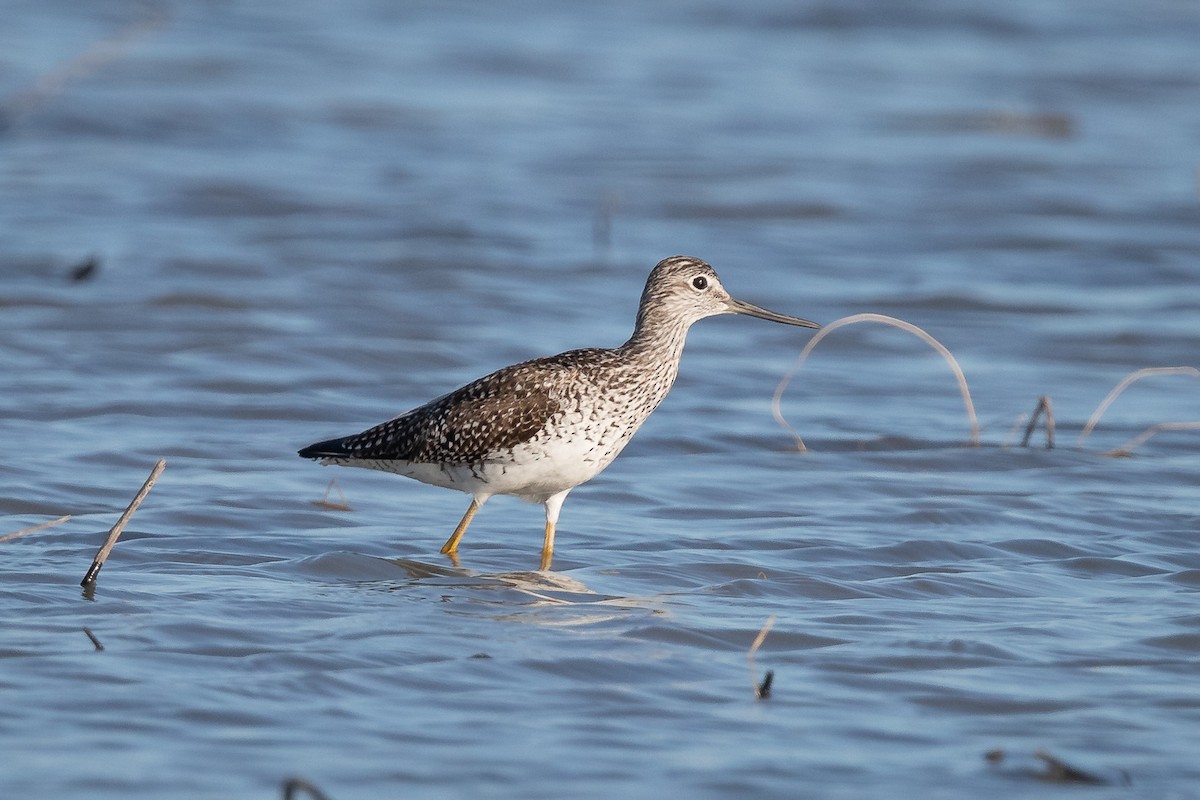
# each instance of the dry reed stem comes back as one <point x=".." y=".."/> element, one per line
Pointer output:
<point x="761" y="690"/>
<point x="1127" y="448"/>
<point x="95" y="642"/>
<point x="109" y="49"/>
<point x="1129" y="379"/>
<point x="1043" y="406"/>
<point x="886" y="320"/>
<point x="1059" y="771"/>
<point x="326" y="504"/>
<point x="1022" y="419"/>
<point x="115" y="533"/>
<point x="35" y="528"/>
<point x="1055" y="770"/>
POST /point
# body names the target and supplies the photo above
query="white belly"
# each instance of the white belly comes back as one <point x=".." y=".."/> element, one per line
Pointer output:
<point x="532" y="471"/>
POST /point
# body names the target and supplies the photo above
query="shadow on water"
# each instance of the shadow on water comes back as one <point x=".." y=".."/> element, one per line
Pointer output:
<point x="509" y="596"/>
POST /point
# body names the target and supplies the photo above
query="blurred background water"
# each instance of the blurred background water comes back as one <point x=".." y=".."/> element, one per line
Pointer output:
<point x="230" y="229"/>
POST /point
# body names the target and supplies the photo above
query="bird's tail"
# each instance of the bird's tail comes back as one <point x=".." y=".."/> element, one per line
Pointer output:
<point x="331" y="448"/>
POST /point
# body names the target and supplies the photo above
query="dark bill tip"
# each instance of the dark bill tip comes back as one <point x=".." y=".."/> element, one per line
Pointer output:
<point x="751" y="310"/>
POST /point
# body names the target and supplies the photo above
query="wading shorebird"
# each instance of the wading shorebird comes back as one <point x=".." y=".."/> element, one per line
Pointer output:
<point x="538" y="429"/>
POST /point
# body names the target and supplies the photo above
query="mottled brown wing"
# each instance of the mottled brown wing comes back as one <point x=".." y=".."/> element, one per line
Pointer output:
<point x="496" y="412"/>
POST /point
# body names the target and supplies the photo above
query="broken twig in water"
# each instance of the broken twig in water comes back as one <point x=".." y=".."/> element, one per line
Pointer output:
<point x="325" y="503"/>
<point x="1131" y="378"/>
<point x="95" y="641"/>
<point x="293" y="786"/>
<point x="1053" y="769"/>
<point x="85" y="270"/>
<point x="35" y="528"/>
<point x="1127" y="448"/>
<point x="115" y="533"/>
<point x="761" y="690"/>
<point x="886" y="320"/>
<point x="1059" y="771"/>
<point x="1044" y="406"/>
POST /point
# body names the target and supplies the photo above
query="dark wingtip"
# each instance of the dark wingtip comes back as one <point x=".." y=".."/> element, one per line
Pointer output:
<point x="331" y="448"/>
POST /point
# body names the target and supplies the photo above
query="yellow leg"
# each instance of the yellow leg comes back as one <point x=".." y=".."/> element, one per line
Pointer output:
<point x="553" y="504"/>
<point x="451" y="545"/>
<point x="547" y="547"/>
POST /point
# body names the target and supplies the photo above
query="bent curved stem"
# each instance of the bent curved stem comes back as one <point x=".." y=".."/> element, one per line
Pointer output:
<point x="886" y="320"/>
<point x="1125" y="383"/>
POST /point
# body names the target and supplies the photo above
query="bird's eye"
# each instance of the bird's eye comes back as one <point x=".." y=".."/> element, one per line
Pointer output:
<point x="700" y="282"/>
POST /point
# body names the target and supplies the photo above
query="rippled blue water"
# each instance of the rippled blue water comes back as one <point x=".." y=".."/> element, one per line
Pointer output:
<point x="308" y="217"/>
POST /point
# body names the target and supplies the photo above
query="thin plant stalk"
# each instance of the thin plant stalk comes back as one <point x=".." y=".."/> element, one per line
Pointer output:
<point x="1125" y="383"/>
<point x="760" y="689"/>
<point x="54" y="82"/>
<point x="1044" y="406"/>
<point x="1012" y="432"/>
<point x="35" y="528"/>
<point x="886" y="320"/>
<point x="293" y="787"/>
<point x="1143" y="437"/>
<point x="95" y="641"/>
<point x="115" y="533"/>
<point x="326" y="503"/>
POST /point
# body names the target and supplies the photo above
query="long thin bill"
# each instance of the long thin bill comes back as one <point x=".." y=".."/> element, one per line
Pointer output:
<point x="751" y="310"/>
